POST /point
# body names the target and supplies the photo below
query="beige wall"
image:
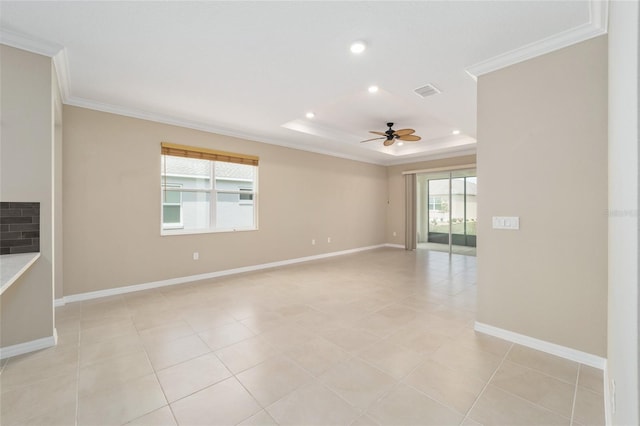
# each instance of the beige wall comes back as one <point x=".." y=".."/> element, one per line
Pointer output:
<point x="395" y="207"/>
<point x="542" y="156"/>
<point x="623" y="210"/>
<point x="26" y="175"/>
<point x="112" y="205"/>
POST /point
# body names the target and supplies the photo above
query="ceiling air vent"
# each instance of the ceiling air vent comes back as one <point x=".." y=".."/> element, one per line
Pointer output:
<point x="427" y="90"/>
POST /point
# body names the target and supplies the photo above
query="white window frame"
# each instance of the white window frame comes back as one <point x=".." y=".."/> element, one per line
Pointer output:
<point x="172" y="187"/>
<point x="213" y="199"/>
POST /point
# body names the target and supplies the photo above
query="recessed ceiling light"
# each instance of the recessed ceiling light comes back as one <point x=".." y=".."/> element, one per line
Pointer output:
<point x="400" y="143"/>
<point x="310" y="114"/>
<point x="455" y="132"/>
<point x="373" y="89"/>
<point x="358" y="47"/>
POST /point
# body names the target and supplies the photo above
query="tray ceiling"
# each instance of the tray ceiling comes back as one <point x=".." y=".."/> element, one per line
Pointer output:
<point x="254" y="69"/>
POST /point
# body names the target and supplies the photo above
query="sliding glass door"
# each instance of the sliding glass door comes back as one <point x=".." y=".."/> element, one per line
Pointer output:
<point x="447" y="211"/>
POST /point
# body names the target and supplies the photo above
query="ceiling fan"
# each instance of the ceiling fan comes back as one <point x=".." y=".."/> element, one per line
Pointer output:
<point x="391" y="135"/>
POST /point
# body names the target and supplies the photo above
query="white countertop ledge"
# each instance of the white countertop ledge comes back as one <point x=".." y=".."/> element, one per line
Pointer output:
<point x="14" y="265"/>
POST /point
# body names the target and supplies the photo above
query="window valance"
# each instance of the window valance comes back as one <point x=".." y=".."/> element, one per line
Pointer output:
<point x="207" y="154"/>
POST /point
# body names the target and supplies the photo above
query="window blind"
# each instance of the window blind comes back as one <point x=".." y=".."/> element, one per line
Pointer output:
<point x="207" y="154"/>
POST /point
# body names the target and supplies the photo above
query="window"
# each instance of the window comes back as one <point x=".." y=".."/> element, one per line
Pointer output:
<point x="207" y="191"/>
<point x="172" y="207"/>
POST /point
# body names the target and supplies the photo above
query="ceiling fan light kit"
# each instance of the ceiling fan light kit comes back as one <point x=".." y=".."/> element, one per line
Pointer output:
<point x="390" y="136"/>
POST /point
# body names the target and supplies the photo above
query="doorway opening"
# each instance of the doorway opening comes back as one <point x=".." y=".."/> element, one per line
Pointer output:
<point x="446" y="215"/>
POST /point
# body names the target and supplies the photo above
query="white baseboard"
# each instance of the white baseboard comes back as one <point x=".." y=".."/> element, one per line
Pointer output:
<point x="26" y="347"/>
<point x="181" y="280"/>
<point x="608" y="420"/>
<point x="542" y="345"/>
<point x="394" y="245"/>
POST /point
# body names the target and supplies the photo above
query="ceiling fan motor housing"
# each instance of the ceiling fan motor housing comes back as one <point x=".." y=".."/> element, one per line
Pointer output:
<point x="390" y="132"/>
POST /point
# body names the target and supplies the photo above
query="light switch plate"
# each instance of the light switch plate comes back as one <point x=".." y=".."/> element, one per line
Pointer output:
<point x="506" y="222"/>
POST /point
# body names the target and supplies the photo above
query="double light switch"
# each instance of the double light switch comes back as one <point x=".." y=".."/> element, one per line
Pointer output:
<point x="506" y="222"/>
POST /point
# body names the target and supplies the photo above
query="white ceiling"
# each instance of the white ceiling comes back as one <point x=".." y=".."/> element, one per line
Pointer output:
<point x="253" y="69"/>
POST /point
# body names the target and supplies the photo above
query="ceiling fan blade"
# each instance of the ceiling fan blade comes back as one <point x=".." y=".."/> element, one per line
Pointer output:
<point x="374" y="139"/>
<point x="403" y="132"/>
<point x="378" y="133"/>
<point x="389" y="142"/>
<point x="409" y="138"/>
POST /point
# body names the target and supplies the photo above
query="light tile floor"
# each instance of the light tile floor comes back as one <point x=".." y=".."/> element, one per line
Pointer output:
<point x="383" y="337"/>
<point x="470" y="251"/>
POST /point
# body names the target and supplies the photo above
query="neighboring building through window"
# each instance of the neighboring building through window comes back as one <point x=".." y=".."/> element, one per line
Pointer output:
<point x="207" y="194"/>
<point x="438" y="203"/>
<point x="172" y="207"/>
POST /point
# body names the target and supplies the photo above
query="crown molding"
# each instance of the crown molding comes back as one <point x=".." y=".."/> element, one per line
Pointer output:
<point x="28" y="43"/>
<point x="61" y="64"/>
<point x="599" y="15"/>
<point x="598" y="18"/>
<point x="56" y="52"/>
<point x="439" y="155"/>
<point x="196" y="125"/>
<point x="205" y="127"/>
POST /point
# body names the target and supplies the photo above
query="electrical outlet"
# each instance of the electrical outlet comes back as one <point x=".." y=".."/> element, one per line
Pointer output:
<point x="395" y="233"/>
<point x="196" y="255"/>
<point x="328" y="239"/>
<point x="313" y="242"/>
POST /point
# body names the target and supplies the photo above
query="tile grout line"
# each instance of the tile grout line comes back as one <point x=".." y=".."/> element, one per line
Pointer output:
<point x="575" y="395"/>
<point x="352" y="355"/>
<point x="504" y="358"/>
<point x="522" y="398"/>
<point x="314" y="378"/>
<point x="262" y="408"/>
<point x="400" y="382"/>
<point x="361" y="412"/>
<point x="235" y="377"/>
<point x="428" y="360"/>
<point x="535" y="405"/>
<point x="155" y="373"/>
<point x="543" y="373"/>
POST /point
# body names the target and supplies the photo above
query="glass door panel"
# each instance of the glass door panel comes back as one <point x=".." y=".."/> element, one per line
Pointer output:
<point x="471" y="205"/>
<point x="458" y="222"/>
<point x="438" y="209"/>
<point x="447" y="210"/>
